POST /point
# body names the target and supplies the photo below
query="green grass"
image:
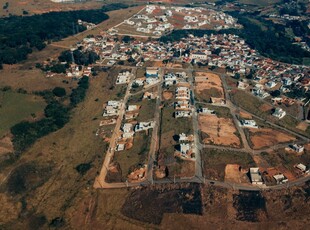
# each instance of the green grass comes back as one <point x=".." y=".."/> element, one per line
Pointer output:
<point x="136" y="155"/>
<point x="16" y="107"/>
<point x="215" y="161"/>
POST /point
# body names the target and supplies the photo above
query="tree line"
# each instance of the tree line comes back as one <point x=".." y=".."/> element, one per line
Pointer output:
<point x="56" y="114"/>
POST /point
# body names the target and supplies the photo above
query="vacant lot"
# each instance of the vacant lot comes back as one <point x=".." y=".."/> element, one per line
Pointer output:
<point x="208" y="85"/>
<point x="234" y="173"/>
<point x="215" y="161"/>
<point x="135" y="156"/>
<point x="218" y="131"/>
<point x="265" y="137"/>
<point x="15" y="107"/>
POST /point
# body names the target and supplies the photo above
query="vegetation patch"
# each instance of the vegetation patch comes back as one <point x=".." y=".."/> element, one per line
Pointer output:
<point x="27" y="177"/>
<point x="149" y="204"/>
<point x="15" y="107"/>
<point x="250" y="206"/>
<point x="215" y="161"/>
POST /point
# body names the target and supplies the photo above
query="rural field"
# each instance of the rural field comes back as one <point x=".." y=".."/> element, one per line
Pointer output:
<point x="16" y="107"/>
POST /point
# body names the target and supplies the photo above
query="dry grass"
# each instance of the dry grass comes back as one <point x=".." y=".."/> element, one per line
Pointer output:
<point x="261" y="138"/>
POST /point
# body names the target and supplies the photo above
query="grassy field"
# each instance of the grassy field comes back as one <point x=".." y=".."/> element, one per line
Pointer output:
<point x="147" y="110"/>
<point x="15" y="107"/>
<point x="134" y="156"/>
<point x="214" y="161"/>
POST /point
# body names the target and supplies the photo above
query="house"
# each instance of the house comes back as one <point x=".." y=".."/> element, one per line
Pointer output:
<point x="180" y="105"/>
<point x="279" y="113"/>
<point x="141" y="126"/>
<point x="206" y="111"/>
<point x="242" y="85"/>
<point x="280" y="178"/>
<point x="183" y="137"/>
<point x="256" y="177"/>
<point x="270" y="84"/>
<point x="199" y="56"/>
<point x="128" y="130"/>
<point x="302" y="168"/>
<point x="133" y="107"/>
<point x="120" y="147"/>
<point x="114" y="103"/>
<point x="184" y="148"/>
<point x="149" y="95"/>
<point x="179" y="114"/>
<point x="127" y="127"/>
<point x="297" y="148"/>
<point x="152" y="72"/>
<point x="248" y="123"/>
<point x="182" y="93"/>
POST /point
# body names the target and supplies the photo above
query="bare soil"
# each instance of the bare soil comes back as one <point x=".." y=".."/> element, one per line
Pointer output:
<point x="220" y="131"/>
<point x="266" y="137"/>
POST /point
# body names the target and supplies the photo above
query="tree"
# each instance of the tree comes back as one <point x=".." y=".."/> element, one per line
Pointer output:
<point x="59" y="92"/>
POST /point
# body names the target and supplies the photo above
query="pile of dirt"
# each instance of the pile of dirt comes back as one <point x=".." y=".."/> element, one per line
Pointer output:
<point x="149" y="204"/>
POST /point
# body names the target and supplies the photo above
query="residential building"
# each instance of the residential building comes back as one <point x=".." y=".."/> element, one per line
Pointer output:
<point x="279" y="113"/>
<point x="256" y="177"/>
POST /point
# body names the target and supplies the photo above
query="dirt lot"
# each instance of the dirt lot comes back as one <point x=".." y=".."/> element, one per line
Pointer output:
<point x="208" y="85"/>
<point x="219" y="131"/>
<point x="167" y="95"/>
<point x="265" y="137"/>
<point x="234" y="173"/>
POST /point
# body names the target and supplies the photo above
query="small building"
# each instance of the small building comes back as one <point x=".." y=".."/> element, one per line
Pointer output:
<point x="184" y="148"/>
<point x="280" y="178"/>
<point x="303" y="168"/>
<point x="256" y="177"/>
<point x="141" y="126"/>
<point x="279" y="113"/>
<point x="133" y="107"/>
<point x="179" y="114"/>
<point x="120" y="147"/>
<point x="248" y="123"/>
<point x="206" y="111"/>
<point x="152" y="72"/>
<point x="297" y="148"/>
<point x="184" y="138"/>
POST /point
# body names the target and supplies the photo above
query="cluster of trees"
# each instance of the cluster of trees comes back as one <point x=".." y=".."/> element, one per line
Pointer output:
<point x="20" y="35"/>
<point x="80" y="58"/>
<point x="271" y="43"/>
<point x="79" y="93"/>
<point x="56" y="116"/>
